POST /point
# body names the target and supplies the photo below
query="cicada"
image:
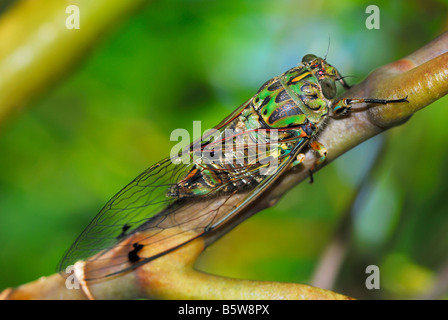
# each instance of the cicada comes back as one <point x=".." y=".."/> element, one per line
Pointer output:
<point x="185" y="196"/>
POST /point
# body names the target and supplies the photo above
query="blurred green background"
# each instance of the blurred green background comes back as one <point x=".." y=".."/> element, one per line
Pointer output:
<point x="72" y="148"/>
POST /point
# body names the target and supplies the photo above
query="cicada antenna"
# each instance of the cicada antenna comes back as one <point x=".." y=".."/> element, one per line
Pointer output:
<point x="328" y="48"/>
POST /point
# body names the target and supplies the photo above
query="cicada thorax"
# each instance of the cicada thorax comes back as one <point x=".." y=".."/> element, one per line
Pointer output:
<point x="275" y="107"/>
<point x="304" y="87"/>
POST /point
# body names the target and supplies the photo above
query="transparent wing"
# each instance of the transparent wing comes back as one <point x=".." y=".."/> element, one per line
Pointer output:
<point x="148" y="214"/>
<point x="134" y="205"/>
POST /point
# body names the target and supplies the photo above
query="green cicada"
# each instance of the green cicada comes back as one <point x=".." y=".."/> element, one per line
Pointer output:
<point x="243" y="156"/>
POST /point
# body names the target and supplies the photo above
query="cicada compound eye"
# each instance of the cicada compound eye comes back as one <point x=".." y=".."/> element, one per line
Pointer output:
<point x="328" y="88"/>
<point x="308" y="58"/>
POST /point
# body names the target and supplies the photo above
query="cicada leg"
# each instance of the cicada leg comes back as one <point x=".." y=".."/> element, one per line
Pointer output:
<point x="320" y="149"/>
<point x="299" y="159"/>
<point x="344" y="105"/>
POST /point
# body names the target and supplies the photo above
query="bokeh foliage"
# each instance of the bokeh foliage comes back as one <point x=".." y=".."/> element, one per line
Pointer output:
<point x="65" y="154"/>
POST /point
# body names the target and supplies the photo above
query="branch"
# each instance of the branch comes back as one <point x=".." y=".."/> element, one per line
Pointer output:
<point x="422" y="77"/>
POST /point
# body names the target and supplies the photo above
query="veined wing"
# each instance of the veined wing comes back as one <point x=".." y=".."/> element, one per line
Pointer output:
<point x="145" y="214"/>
